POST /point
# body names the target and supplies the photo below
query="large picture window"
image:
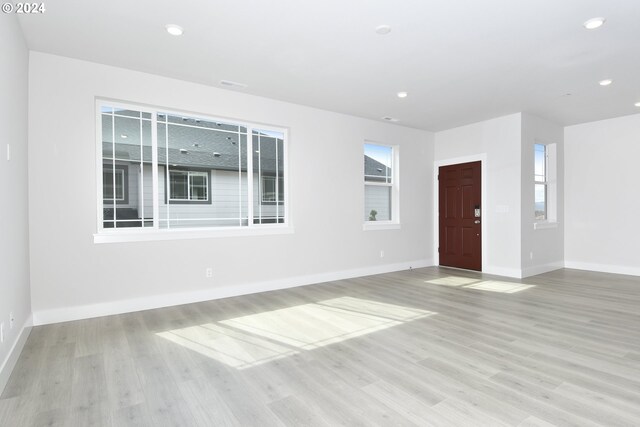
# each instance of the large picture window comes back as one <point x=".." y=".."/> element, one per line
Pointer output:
<point x="380" y="184"/>
<point x="162" y="170"/>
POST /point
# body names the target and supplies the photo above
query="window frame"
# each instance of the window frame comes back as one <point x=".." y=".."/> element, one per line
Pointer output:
<point x="123" y="234"/>
<point x="394" y="185"/>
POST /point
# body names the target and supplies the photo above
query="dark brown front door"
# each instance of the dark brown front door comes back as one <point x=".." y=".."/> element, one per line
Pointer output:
<point x="460" y="216"/>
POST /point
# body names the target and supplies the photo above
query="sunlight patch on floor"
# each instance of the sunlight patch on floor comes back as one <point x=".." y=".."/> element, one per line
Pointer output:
<point x="231" y="347"/>
<point x="496" y="286"/>
<point x="254" y="339"/>
<point x="483" y="285"/>
<point x="452" y="281"/>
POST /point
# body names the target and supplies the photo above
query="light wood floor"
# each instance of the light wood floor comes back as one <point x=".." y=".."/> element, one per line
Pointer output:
<point x="425" y="347"/>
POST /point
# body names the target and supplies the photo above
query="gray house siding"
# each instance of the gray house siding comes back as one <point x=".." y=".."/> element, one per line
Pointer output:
<point x="377" y="198"/>
<point x="228" y="203"/>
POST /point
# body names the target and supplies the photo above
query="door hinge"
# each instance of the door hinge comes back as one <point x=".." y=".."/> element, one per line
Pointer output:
<point x="438" y="249"/>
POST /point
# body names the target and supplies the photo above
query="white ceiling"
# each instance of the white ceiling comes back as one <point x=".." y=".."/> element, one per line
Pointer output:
<point x="461" y="61"/>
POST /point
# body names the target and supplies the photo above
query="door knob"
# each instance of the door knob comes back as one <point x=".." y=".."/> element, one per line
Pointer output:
<point x="477" y="221"/>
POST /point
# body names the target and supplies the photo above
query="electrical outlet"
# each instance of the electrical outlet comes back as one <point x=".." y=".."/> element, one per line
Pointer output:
<point x="208" y="272"/>
<point x="11" y="320"/>
<point x="2" y="332"/>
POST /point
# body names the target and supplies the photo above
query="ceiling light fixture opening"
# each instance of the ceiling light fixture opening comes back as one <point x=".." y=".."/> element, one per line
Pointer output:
<point x="637" y="104"/>
<point x="383" y="30"/>
<point x="174" y="30"/>
<point x="594" y="23"/>
<point x="605" y="82"/>
<point x="402" y="94"/>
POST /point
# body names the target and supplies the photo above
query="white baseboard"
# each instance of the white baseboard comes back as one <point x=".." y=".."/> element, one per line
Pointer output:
<point x="43" y="317"/>
<point x="501" y="271"/>
<point x="544" y="268"/>
<point x="10" y="361"/>
<point x="604" y="268"/>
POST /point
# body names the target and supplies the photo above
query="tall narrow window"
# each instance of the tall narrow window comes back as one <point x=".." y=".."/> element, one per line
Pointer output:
<point x="164" y="170"/>
<point x="541" y="181"/>
<point x="380" y="183"/>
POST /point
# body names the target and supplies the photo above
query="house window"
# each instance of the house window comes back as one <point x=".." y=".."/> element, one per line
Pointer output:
<point x="380" y="183"/>
<point x="187" y="172"/>
<point x="545" y="183"/>
<point x="271" y="193"/>
<point x="188" y="186"/>
<point x="114" y="178"/>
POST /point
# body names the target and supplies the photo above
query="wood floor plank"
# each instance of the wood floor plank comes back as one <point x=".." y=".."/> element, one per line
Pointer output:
<point x="428" y="347"/>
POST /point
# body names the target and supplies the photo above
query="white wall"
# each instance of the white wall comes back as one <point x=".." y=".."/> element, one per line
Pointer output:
<point x="602" y="200"/>
<point x="542" y="248"/>
<point x="73" y="277"/>
<point x="499" y="140"/>
<point x="14" y="235"/>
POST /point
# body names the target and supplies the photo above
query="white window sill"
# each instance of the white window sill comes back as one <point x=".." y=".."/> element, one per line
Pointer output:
<point x="543" y="225"/>
<point x="111" y="236"/>
<point x="372" y="225"/>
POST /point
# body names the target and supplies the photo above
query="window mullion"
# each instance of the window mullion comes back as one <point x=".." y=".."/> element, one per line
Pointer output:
<point x="113" y="166"/>
<point x="260" y="189"/>
<point x="189" y="183"/>
<point x="154" y="170"/>
<point x="250" y="195"/>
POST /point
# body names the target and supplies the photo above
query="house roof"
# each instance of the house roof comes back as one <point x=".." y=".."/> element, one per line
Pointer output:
<point x="190" y="144"/>
<point x="374" y="168"/>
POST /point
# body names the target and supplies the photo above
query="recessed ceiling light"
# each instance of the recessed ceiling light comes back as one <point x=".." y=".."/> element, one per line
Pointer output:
<point x="123" y="136"/>
<point x="383" y="29"/>
<point x="174" y="30"/>
<point x="605" y="82"/>
<point x="594" y="23"/>
<point x="637" y="104"/>
<point x="402" y="94"/>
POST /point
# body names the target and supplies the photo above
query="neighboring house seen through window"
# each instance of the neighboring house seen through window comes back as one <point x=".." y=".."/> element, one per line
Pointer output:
<point x="180" y="171"/>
